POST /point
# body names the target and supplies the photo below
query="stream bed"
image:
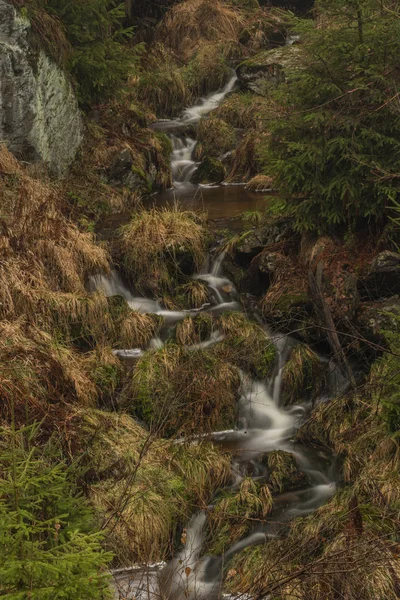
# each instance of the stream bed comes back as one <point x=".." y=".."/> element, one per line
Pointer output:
<point x="263" y="423"/>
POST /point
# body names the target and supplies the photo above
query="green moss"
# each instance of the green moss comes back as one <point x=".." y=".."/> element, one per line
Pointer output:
<point x="210" y="171"/>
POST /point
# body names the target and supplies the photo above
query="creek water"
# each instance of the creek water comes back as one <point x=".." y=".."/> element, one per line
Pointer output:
<point x="223" y="203"/>
<point x="263" y="423"/>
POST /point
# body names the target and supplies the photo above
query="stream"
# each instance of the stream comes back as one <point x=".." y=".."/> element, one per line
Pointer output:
<point x="263" y="423"/>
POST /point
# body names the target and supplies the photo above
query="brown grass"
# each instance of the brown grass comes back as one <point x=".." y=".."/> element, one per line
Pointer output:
<point x="154" y="244"/>
<point x="189" y="23"/>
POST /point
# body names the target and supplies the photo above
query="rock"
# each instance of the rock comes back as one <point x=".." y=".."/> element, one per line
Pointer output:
<point x="210" y="171"/>
<point x="383" y="279"/>
<point x="272" y="262"/>
<point x="269" y="68"/>
<point x="40" y="119"/>
<point x="123" y="173"/>
<point x="376" y="320"/>
<point x="258" y="239"/>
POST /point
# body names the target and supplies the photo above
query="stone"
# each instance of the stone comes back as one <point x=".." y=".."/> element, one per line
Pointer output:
<point x="39" y="116"/>
<point x="269" y="68"/>
<point x="210" y="171"/>
<point x="123" y="173"/>
<point x="383" y="279"/>
<point x="261" y="237"/>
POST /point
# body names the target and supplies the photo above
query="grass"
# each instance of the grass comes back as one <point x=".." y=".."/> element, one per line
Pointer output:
<point x="246" y="345"/>
<point x="215" y="138"/>
<point x="143" y="488"/>
<point x="180" y="391"/>
<point x="157" y="246"/>
<point x="188" y="24"/>
<point x="302" y="376"/>
<point x="260" y="183"/>
<point x="235" y="513"/>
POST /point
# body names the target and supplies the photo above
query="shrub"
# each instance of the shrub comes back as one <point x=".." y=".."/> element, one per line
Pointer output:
<point x="49" y="547"/>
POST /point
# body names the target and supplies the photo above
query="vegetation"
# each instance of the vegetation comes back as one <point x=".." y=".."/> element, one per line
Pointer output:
<point x="158" y="247"/>
<point x="340" y="111"/>
<point x="49" y="544"/>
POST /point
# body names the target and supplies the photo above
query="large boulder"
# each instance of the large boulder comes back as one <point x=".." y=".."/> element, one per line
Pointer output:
<point x="269" y="68"/>
<point x="383" y="278"/>
<point x="39" y="115"/>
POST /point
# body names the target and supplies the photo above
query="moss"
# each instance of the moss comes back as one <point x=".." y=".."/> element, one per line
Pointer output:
<point x="211" y="170"/>
<point x="176" y="390"/>
<point x="303" y="376"/>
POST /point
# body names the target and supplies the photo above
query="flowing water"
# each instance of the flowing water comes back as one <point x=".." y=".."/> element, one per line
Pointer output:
<point x="263" y="423"/>
<point x="224" y="203"/>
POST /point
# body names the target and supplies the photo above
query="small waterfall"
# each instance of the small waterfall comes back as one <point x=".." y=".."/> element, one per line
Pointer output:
<point x="182" y="165"/>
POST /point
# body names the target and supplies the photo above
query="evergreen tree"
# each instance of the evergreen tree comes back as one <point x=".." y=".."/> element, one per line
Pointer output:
<point x="49" y="549"/>
<point x="335" y="149"/>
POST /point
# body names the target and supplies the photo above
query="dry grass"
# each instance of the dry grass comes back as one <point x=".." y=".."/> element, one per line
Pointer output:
<point x="302" y="376"/>
<point x="181" y="391"/>
<point x="246" y="345"/>
<point x="215" y="138"/>
<point x="189" y="23"/>
<point x="36" y="372"/>
<point x="235" y="513"/>
<point x="157" y="245"/>
<point x="142" y="488"/>
<point x="260" y="183"/>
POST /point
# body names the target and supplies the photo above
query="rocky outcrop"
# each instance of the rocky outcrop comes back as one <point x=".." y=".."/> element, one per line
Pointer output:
<point x="269" y="68"/>
<point x="383" y="279"/>
<point x="39" y="116"/>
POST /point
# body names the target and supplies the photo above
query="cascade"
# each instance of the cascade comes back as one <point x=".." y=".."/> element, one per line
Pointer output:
<point x="263" y="424"/>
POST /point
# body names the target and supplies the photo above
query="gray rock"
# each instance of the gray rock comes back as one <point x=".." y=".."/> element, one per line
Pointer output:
<point x="258" y="239"/>
<point x="269" y="68"/>
<point x="39" y="115"/>
<point x="383" y="279"/>
<point x="122" y="173"/>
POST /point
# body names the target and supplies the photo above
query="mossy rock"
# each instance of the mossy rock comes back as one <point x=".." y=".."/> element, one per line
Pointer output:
<point x="284" y="474"/>
<point x="246" y="345"/>
<point x="177" y="390"/>
<point x="215" y="137"/>
<point x="270" y="68"/>
<point x="195" y="330"/>
<point x="302" y="376"/>
<point x="210" y="171"/>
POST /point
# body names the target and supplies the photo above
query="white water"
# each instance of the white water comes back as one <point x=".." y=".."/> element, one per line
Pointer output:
<point x="183" y="165"/>
<point x="263" y="424"/>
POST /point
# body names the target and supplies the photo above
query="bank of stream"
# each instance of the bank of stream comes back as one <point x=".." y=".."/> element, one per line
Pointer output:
<point x="263" y="423"/>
